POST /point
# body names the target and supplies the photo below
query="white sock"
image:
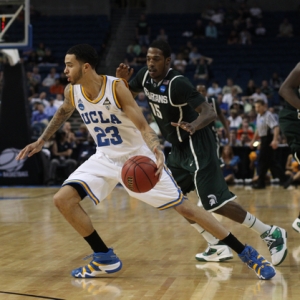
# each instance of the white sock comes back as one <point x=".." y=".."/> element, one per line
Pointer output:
<point x="255" y="224"/>
<point x="207" y="236"/>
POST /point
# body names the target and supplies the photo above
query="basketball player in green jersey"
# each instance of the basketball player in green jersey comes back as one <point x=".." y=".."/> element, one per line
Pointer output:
<point x="176" y="106"/>
<point x="289" y="117"/>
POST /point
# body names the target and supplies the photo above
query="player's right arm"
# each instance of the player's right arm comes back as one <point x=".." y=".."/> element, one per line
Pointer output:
<point x="61" y="115"/>
<point x="289" y="86"/>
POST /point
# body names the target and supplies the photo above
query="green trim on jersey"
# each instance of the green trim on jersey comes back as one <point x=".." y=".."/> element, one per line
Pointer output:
<point x="173" y="99"/>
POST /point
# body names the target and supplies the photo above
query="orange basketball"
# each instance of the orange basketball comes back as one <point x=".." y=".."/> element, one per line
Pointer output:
<point x="138" y="174"/>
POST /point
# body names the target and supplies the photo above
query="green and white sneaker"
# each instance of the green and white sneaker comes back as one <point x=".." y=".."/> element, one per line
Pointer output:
<point x="296" y="225"/>
<point x="276" y="240"/>
<point x="218" y="252"/>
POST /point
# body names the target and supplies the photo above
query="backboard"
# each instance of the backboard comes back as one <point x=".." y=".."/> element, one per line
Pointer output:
<point x="15" y="28"/>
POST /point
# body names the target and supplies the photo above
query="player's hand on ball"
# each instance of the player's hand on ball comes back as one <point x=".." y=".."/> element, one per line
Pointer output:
<point x="185" y="126"/>
<point x="124" y="71"/>
<point x="160" y="161"/>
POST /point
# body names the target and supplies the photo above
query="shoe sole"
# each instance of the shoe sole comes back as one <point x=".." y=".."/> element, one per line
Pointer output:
<point x="285" y="252"/>
<point x="102" y="273"/>
<point x="215" y="260"/>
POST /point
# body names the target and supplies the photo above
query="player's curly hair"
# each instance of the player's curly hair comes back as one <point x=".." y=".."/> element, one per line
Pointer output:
<point x="163" y="46"/>
<point x="85" y="53"/>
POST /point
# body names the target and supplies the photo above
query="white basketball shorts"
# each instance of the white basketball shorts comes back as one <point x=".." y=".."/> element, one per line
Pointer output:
<point x="100" y="174"/>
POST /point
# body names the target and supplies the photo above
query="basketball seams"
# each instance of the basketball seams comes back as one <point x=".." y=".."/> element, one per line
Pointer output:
<point x="138" y="174"/>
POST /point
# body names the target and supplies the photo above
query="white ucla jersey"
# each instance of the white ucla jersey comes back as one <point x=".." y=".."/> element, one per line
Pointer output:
<point x="113" y="132"/>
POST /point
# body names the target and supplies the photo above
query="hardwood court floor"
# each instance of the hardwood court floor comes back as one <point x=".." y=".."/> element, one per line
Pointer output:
<point x="39" y="249"/>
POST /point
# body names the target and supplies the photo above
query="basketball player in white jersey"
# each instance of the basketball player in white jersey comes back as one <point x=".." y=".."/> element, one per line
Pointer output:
<point x="120" y="131"/>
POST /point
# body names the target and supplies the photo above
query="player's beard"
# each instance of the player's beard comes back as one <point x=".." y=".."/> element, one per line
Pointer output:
<point x="77" y="78"/>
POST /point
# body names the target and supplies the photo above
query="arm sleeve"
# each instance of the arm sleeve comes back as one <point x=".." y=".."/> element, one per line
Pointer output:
<point x="182" y="91"/>
<point x="136" y="84"/>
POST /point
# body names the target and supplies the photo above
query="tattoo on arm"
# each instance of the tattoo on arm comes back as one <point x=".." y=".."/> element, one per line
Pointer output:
<point x="151" y="139"/>
<point x="58" y="119"/>
<point x="62" y="114"/>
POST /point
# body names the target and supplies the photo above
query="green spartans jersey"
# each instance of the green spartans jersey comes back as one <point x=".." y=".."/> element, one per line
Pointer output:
<point x="289" y="121"/>
<point x="173" y="99"/>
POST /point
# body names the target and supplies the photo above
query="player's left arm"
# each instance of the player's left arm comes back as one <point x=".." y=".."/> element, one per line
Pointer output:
<point x="192" y="97"/>
<point x="288" y="87"/>
<point x="134" y="113"/>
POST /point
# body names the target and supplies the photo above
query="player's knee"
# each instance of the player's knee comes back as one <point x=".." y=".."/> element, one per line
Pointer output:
<point x="185" y="210"/>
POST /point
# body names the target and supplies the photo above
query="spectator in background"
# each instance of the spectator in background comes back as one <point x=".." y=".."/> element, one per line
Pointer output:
<point x="36" y="75"/>
<point x="233" y="141"/>
<point x="251" y="88"/>
<point x="50" y="78"/>
<point x="207" y="13"/>
<point x="267" y="90"/>
<point x="231" y="162"/>
<point x="143" y="104"/>
<point x="233" y="38"/>
<point x="218" y="17"/>
<point x="61" y="152"/>
<point x="249" y="26"/>
<point x="142" y="57"/>
<point x="230" y="97"/>
<point x="214" y="89"/>
<point x="201" y="71"/>
<point x="70" y="136"/>
<point x="130" y="57"/>
<point x="38" y="114"/>
<point x="58" y="101"/>
<point x="40" y="51"/>
<point x="255" y="11"/>
<point x="162" y="35"/>
<point x="275" y="81"/>
<point x="245" y="140"/>
<point x="234" y="119"/>
<point x="245" y="37"/>
<point x="245" y="129"/>
<point x="180" y="63"/>
<point x="259" y="95"/>
<point x="48" y="59"/>
<point x="32" y="59"/>
<point x="229" y="84"/>
<point x="194" y="56"/>
<point x="286" y="29"/>
<point x="143" y="30"/>
<point x="42" y="97"/>
<point x="221" y="136"/>
<point x="185" y="50"/>
<point x="260" y="29"/>
<point x="135" y="46"/>
<point x="211" y="30"/>
<point x="57" y="87"/>
<point x="199" y="30"/>
<point x="51" y="109"/>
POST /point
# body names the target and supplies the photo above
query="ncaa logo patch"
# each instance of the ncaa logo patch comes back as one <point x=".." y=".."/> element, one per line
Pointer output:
<point x="162" y="89"/>
<point x="8" y="160"/>
<point x="80" y="105"/>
